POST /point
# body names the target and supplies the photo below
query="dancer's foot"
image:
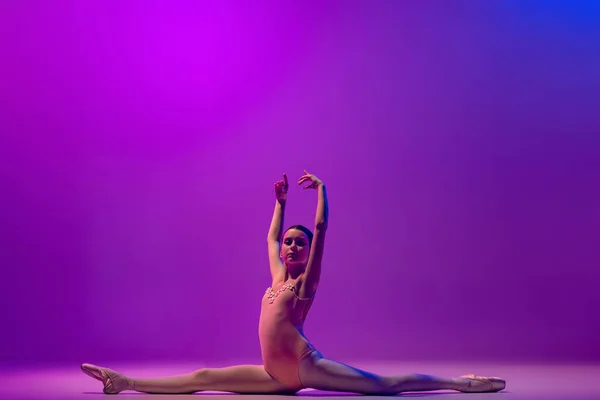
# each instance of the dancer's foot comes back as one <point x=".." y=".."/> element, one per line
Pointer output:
<point x="113" y="381"/>
<point x="478" y="384"/>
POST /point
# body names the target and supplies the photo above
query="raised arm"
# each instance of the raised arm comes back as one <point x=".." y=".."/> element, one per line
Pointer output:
<point x="276" y="230"/>
<point x="312" y="274"/>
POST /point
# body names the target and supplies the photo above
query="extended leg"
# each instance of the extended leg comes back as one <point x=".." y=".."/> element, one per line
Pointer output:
<point x="239" y="379"/>
<point x="324" y="374"/>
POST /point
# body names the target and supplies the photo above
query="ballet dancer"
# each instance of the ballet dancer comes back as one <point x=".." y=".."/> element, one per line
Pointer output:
<point x="290" y="361"/>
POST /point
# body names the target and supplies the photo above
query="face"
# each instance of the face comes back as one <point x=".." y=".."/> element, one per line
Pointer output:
<point x="294" y="247"/>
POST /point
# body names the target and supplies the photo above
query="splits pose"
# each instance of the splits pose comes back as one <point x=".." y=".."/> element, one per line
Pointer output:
<point x="290" y="362"/>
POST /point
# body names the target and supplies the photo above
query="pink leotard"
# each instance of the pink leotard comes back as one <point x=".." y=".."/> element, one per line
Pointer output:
<point x="282" y="340"/>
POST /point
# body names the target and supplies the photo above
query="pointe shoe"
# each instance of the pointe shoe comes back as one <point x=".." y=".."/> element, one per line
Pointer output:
<point x="480" y="384"/>
<point x="113" y="381"/>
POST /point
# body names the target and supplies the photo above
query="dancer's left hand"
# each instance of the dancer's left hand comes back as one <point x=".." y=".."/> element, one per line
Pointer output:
<point x="314" y="181"/>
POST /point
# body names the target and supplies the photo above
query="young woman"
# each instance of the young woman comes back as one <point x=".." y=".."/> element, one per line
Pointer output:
<point x="290" y="362"/>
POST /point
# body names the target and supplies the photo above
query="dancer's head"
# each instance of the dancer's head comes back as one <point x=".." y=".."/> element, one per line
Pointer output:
<point x="295" y="246"/>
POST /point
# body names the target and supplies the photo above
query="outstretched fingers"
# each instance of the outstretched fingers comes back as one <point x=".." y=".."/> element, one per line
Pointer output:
<point x="305" y="178"/>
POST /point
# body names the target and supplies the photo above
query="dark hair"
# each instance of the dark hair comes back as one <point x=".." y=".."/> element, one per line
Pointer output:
<point x="303" y="229"/>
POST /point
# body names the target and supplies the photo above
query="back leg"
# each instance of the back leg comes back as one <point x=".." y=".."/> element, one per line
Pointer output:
<point x="239" y="379"/>
<point x="323" y="374"/>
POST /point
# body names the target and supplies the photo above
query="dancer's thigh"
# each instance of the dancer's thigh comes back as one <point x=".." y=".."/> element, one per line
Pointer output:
<point x="321" y="373"/>
<point x="240" y="379"/>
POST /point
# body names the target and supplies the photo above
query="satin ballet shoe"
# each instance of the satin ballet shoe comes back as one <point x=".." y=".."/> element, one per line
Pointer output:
<point x="481" y="384"/>
<point x="113" y="381"/>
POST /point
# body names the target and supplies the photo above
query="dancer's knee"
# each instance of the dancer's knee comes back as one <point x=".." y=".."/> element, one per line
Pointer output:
<point x="380" y="386"/>
<point x="202" y="376"/>
<point x="388" y="385"/>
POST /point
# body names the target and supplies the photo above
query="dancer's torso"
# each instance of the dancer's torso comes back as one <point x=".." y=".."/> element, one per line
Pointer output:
<point x="280" y="328"/>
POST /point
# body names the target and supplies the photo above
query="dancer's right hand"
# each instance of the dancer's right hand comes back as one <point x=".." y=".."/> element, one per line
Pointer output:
<point x="281" y="188"/>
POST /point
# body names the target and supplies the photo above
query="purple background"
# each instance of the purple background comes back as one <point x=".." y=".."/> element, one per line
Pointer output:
<point x="459" y="142"/>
